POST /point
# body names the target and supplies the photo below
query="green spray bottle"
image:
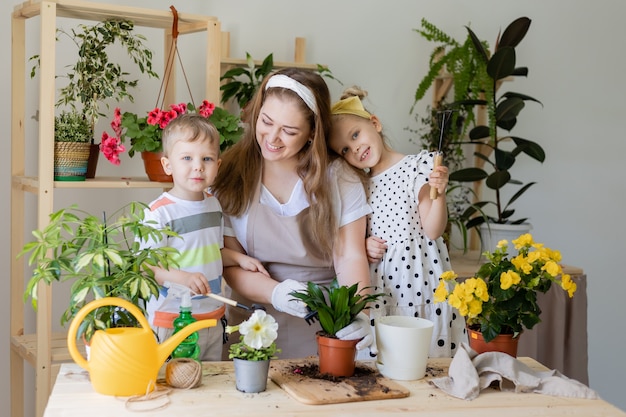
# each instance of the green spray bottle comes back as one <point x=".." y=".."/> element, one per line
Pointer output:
<point x="189" y="347"/>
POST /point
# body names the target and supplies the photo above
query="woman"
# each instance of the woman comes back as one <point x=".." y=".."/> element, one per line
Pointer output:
<point x="292" y="209"/>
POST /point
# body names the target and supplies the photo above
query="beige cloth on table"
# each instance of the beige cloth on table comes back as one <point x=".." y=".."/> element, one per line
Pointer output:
<point x="470" y="373"/>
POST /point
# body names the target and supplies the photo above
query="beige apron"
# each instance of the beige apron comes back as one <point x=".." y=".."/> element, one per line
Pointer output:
<point x="287" y="251"/>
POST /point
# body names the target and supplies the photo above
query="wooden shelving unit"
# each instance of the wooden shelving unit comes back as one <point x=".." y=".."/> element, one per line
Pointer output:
<point x="45" y="350"/>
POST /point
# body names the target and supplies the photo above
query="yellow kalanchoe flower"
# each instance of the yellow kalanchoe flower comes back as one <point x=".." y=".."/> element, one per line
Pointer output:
<point x="508" y="279"/>
<point x="568" y="285"/>
<point x="552" y="268"/>
<point x="448" y="276"/>
<point x="524" y="240"/>
<point x="522" y="264"/>
<point x="513" y="281"/>
<point x="441" y="293"/>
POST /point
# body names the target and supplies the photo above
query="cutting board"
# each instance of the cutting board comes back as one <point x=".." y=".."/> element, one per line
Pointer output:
<point x="367" y="384"/>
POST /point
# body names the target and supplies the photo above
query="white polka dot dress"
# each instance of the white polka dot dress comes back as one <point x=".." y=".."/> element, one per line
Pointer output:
<point x="409" y="272"/>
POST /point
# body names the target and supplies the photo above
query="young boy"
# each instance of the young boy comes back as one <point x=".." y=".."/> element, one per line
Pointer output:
<point x="191" y="149"/>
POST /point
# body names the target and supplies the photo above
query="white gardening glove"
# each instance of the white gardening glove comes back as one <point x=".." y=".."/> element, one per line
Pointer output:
<point x="360" y="329"/>
<point x="283" y="301"/>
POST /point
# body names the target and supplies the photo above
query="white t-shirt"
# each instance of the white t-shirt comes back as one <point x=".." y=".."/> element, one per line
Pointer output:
<point x="349" y="202"/>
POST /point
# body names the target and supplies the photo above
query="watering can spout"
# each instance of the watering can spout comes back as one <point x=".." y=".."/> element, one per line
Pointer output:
<point x="167" y="347"/>
<point x="125" y="361"/>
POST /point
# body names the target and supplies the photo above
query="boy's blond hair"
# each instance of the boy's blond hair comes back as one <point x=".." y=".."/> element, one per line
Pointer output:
<point x="189" y="127"/>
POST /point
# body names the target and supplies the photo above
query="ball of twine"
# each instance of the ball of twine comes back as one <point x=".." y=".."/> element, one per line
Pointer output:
<point x="183" y="373"/>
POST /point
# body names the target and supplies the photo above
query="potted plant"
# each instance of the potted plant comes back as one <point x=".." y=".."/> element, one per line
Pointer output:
<point x="72" y="135"/>
<point x="503" y="110"/>
<point x="94" y="79"/>
<point x="336" y="307"/>
<point x="242" y="82"/>
<point x="251" y="355"/>
<point x="502" y="298"/>
<point x="101" y="257"/>
<point x="145" y="133"/>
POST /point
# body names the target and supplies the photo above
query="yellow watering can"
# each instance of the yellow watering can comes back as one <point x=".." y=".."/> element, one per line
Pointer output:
<point x="125" y="361"/>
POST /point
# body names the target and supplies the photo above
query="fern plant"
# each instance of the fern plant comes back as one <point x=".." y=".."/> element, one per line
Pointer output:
<point x="463" y="63"/>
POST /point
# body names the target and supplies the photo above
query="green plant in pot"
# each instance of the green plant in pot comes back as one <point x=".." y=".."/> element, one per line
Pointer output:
<point x="240" y="83"/>
<point x="336" y="306"/>
<point x="102" y="258"/>
<point x="72" y="136"/>
<point x="94" y="78"/>
<point x="500" y="153"/>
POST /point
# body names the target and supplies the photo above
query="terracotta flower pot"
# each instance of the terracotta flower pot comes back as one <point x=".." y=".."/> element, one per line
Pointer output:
<point x="153" y="167"/>
<point x="336" y="357"/>
<point x="502" y="343"/>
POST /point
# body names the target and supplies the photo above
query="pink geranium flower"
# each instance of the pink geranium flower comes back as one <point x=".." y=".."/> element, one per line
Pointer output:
<point x="111" y="147"/>
<point x="148" y="130"/>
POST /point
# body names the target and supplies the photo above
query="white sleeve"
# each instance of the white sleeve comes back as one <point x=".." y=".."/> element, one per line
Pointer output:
<point x="349" y="199"/>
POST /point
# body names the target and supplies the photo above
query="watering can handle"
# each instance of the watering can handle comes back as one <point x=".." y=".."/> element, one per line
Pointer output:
<point x="82" y="313"/>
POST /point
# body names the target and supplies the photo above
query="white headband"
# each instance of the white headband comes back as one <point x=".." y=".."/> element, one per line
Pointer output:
<point x="300" y="89"/>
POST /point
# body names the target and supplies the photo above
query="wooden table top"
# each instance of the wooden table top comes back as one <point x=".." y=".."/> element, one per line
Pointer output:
<point x="73" y="395"/>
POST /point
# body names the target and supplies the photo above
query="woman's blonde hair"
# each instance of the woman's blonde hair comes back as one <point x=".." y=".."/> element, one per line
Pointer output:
<point x="242" y="164"/>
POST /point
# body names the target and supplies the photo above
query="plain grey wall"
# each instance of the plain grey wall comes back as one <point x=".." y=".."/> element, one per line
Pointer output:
<point x="576" y="57"/>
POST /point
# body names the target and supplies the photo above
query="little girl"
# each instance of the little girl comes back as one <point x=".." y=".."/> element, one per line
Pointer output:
<point x="404" y="244"/>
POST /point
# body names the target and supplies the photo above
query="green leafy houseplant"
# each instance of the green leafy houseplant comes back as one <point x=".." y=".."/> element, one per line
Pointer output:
<point x="336" y="305"/>
<point x="94" y="78"/>
<point x="257" y="338"/>
<point x="71" y="126"/>
<point x="101" y="257"/>
<point x="145" y="133"/>
<point x="503" y="110"/>
<point x="502" y="297"/>
<point x="242" y="82"/>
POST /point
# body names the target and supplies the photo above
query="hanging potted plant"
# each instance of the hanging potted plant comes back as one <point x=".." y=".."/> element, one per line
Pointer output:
<point x="252" y="354"/>
<point x="72" y="135"/>
<point x="94" y="79"/>
<point x="336" y="306"/>
<point x="501" y="300"/>
<point x="145" y="133"/>
<point x="102" y="258"/>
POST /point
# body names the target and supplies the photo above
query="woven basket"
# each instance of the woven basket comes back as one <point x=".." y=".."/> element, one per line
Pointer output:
<point x="70" y="161"/>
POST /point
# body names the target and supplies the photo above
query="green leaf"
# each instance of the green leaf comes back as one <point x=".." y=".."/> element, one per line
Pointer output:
<point x="514" y="32"/>
<point x="497" y="179"/>
<point x="468" y="175"/>
<point x="502" y="63"/>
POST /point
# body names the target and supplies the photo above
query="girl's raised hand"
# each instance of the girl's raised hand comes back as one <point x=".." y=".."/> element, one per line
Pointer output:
<point x="438" y="178"/>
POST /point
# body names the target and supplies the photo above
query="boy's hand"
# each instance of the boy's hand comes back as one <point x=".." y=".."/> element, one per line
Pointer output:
<point x="249" y="263"/>
<point x="197" y="282"/>
<point x="375" y="248"/>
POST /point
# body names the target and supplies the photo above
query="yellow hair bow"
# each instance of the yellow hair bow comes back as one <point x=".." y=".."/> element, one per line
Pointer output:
<point x="351" y="105"/>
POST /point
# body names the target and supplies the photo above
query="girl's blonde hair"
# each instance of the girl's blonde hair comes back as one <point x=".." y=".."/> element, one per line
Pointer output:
<point x="242" y="164"/>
